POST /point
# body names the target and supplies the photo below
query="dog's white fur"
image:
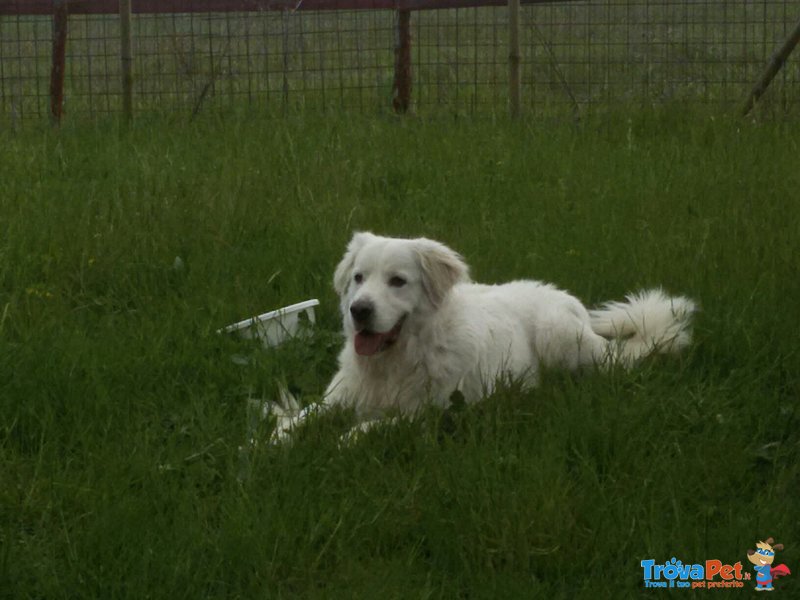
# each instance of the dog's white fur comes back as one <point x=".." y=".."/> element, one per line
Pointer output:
<point x="442" y="333"/>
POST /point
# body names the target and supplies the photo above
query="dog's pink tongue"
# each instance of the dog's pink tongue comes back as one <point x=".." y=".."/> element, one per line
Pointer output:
<point x="368" y="343"/>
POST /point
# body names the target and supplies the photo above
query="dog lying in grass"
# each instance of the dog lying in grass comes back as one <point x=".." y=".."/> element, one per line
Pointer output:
<point x="418" y="329"/>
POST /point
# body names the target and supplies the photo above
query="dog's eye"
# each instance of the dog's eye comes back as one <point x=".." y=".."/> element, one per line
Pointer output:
<point x="358" y="278"/>
<point x="397" y="281"/>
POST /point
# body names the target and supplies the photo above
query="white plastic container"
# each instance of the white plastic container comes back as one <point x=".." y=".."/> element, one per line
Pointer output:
<point x="276" y="326"/>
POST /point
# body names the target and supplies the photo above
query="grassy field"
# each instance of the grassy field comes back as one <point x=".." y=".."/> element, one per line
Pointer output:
<point x="122" y="413"/>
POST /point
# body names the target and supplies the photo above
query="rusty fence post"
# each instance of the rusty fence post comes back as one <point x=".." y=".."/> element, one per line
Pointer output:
<point x="60" y="20"/>
<point x="401" y="92"/>
<point x="126" y="55"/>
<point x="514" y="58"/>
<point x="775" y="64"/>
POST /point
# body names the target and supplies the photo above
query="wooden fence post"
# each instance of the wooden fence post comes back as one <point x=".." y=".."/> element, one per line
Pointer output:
<point x="514" y="58"/>
<point x="775" y="63"/>
<point x="401" y="93"/>
<point x="60" y="20"/>
<point x="126" y="53"/>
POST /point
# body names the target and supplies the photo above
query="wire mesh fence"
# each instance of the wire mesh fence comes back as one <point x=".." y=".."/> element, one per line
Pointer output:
<point x="575" y="55"/>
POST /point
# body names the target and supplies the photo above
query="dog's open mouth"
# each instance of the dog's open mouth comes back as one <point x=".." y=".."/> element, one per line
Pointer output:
<point x="371" y="342"/>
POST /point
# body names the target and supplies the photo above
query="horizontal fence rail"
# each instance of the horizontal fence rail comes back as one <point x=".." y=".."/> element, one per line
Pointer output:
<point x="378" y="55"/>
<point x="105" y="7"/>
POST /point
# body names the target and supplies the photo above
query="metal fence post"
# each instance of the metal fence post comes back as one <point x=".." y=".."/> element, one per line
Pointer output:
<point x="60" y="20"/>
<point x="401" y="93"/>
<point x="126" y="53"/>
<point x="776" y="61"/>
<point x="514" y="58"/>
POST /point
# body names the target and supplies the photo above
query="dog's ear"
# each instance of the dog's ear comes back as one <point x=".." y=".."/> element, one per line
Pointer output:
<point x="442" y="268"/>
<point x="770" y="541"/>
<point x="344" y="271"/>
<point x="778" y="547"/>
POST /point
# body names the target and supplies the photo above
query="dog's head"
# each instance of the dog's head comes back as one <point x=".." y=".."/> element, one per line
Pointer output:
<point x="385" y="282"/>
<point x="764" y="554"/>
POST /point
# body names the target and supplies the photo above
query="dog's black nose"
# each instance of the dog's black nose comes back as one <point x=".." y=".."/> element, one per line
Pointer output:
<point x="361" y="311"/>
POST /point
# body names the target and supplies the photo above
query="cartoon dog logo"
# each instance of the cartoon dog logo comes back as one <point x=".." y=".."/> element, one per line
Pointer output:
<point x="763" y="558"/>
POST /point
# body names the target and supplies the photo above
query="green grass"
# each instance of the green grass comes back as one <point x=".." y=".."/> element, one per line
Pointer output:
<point x="121" y="413"/>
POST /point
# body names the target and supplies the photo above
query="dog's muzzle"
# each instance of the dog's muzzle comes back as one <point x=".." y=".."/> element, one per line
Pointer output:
<point x="362" y="311"/>
<point x="369" y="343"/>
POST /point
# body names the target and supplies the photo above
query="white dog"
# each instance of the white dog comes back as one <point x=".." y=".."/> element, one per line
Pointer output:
<point x="417" y="329"/>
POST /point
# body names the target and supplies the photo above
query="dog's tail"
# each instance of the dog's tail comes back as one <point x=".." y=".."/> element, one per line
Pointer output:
<point x="647" y="322"/>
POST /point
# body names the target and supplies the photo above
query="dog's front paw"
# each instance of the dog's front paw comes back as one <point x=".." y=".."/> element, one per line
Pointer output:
<point x="288" y="420"/>
<point x="358" y="431"/>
